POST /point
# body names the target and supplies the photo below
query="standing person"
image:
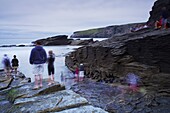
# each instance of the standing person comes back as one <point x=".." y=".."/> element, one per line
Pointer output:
<point x="158" y="23"/>
<point x="164" y="15"/>
<point x="77" y="73"/>
<point x="15" y="64"/>
<point x="7" y="65"/>
<point x="38" y="57"/>
<point x="50" y="61"/>
<point x="81" y="72"/>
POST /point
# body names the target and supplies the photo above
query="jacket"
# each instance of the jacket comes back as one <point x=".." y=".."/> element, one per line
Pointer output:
<point x="38" y="55"/>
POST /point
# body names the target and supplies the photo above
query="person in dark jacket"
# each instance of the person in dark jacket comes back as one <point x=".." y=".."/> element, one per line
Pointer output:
<point x="38" y="57"/>
<point x="15" y="64"/>
<point x="50" y="61"/>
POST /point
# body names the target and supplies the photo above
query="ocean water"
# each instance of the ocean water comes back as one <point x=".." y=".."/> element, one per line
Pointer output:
<point x="27" y="41"/>
<point x="23" y="54"/>
<point x="14" y="41"/>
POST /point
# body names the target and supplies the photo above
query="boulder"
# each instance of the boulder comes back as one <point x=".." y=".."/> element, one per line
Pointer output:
<point x="55" y="40"/>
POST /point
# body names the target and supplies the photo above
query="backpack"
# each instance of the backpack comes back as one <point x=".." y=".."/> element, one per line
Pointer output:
<point x="7" y="62"/>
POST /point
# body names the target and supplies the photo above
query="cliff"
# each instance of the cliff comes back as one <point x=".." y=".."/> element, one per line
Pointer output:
<point x="156" y="10"/>
<point x="145" y="53"/>
<point x="105" y="32"/>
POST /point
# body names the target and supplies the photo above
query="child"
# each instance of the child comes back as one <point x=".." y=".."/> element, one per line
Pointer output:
<point x="15" y="64"/>
<point x="77" y="73"/>
<point x="50" y="60"/>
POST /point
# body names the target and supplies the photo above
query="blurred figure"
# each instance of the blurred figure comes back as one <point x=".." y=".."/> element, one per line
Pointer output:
<point x="7" y="65"/>
<point x="164" y="15"/>
<point x="62" y="78"/>
<point x="168" y="24"/>
<point x="50" y="61"/>
<point x="77" y="73"/>
<point x="158" y="23"/>
<point x="38" y="57"/>
<point x="81" y="72"/>
<point x="133" y="80"/>
<point x="15" y="64"/>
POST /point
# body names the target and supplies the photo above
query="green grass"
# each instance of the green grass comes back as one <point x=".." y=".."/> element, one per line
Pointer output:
<point x="12" y="94"/>
<point x="88" y="32"/>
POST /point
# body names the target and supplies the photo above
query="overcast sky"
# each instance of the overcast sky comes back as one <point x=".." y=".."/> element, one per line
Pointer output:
<point x="32" y="18"/>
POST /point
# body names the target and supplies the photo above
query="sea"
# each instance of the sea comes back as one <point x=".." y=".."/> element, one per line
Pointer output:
<point x="23" y="54"/>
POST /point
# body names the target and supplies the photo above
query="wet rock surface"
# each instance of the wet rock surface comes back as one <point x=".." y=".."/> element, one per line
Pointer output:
<point x="19" y="97"/>
<point x="117" y="98"/>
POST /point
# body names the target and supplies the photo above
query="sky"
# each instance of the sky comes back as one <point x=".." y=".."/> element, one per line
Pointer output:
<point x="32" y="19"/>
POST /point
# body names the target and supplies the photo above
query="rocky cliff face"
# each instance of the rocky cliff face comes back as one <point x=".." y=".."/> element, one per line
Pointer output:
<point x="105" y="32"/>
<point x="109" y="31"/>
<point x="156" y="10"/>
<point x="145" y="53"/>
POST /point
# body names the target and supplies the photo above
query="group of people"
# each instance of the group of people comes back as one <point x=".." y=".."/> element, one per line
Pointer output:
<point x="138" y="27"/>
<point x="7" y="65"/>
<point x="162" y="22"/>
<point x="38" y="58"/>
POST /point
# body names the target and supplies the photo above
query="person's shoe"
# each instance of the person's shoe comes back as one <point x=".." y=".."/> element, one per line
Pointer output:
<point x="49" y="83"/>
<point x="35" y="87"/>
<point x="41" y="85"/>
<point x="53" y="82"/>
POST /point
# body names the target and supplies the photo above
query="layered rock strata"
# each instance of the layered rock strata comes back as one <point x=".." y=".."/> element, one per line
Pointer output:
<point x="105" y="32"/>
<point x="145" y="53"/>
